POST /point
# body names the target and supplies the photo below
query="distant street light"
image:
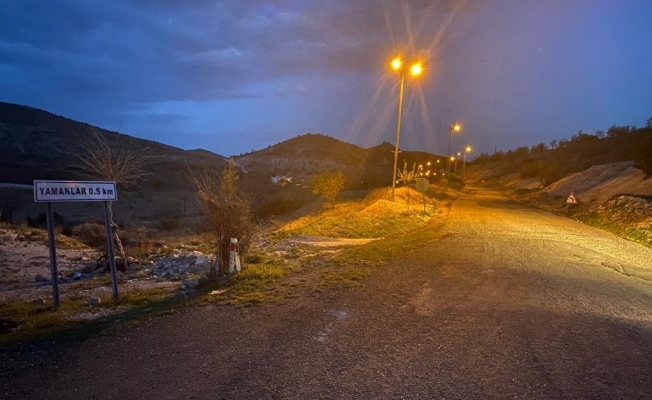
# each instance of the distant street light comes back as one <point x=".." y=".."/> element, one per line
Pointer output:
<point x="457" y="158"/>
<point x="467" y="150"/>
<point x="456" y="128"/>
<point x="415" y="69"/>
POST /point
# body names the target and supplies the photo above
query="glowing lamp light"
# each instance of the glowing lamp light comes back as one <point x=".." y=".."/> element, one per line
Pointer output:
<point x="397" y="64"/>
<point x="416" y="69"/>
<point x="457" y="127"/>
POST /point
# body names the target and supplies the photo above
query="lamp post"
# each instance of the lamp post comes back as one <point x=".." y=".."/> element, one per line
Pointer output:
<point x="415" y="70"/>
<point x="467" y="150"/>
<point x="456" y="128"/>
<point x="456" y="159"/>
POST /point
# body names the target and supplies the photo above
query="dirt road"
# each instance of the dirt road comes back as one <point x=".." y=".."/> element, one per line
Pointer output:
<point x="512" y="302"/>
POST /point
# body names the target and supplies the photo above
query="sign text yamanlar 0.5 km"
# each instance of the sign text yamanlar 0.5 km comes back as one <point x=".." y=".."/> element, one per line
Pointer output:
<point x="72" y="191"/>
<point x="55" y="191"/>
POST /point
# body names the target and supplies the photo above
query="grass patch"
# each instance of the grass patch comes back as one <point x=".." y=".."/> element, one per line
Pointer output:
<point x="626" y="230"/>
<point x="256" y="283"/>
<point x="76" y="319"/>
<point x="28" y="234"/>
<point x="373" y="217"/>
<point x="356" y="262"/>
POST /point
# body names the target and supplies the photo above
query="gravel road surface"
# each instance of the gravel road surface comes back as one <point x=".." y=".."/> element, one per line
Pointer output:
<point x="512" y="302"/>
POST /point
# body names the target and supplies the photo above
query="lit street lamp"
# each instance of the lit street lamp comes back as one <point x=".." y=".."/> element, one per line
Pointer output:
<point x="415" y="70"/>
<point x="467" y="150"/>
<point x="456" y="128"/>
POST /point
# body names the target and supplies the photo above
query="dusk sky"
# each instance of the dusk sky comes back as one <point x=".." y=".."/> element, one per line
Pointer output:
<point x="232" y="76"/>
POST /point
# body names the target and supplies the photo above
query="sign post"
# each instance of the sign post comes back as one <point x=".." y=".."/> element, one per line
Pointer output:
<point x="422" y="185"/>
<point x="109" y="250"/>
<point x="74" y="191"/>
<point x="54" y="274"/>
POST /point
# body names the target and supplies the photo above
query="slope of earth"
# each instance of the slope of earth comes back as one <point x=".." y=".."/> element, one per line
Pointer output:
<point x="603" y="182"/>
<point x="374" y="217"/>
<point x="501" y="175"/>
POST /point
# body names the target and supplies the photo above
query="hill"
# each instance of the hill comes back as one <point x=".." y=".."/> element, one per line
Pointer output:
<point x="37" y="144"/>
<point x="304" y="156"/>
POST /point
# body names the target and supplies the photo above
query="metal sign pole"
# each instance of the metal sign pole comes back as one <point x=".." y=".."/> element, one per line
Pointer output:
<point x="53" y="257"/>
<point x="109" y="250"/>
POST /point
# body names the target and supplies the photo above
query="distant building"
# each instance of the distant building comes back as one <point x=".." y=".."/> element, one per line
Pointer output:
<point x="281" y="180"/>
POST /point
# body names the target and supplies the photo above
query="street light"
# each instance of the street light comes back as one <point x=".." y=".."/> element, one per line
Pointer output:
<point x="456" y="128"/>
<point x="415" y="69"/>
<point x="467" y="150"/>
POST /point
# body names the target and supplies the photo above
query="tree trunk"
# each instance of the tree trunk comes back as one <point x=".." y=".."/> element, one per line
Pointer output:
<point x="116" y="238"/>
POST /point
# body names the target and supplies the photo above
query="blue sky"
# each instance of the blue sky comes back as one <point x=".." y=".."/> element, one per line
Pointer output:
<point x="232" y="76"/>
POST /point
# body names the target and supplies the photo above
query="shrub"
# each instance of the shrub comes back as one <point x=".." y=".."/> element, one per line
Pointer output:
<point x="170" y="224"/>
<point x="455" y="183"/>
<point x="643" y="154"/>
<point x="91" y="234"/>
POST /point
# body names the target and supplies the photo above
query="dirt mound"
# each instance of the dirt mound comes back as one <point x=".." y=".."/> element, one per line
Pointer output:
<point x="603" y="182"/>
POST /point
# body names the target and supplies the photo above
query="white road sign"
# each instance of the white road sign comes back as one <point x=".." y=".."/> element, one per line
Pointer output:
<point x="54" y="191"/>
<point x="572" y="199"/>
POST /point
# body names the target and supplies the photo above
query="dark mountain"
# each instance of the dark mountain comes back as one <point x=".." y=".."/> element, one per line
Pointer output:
<point x="36" y="144"/>
<point x="306" y="155"/>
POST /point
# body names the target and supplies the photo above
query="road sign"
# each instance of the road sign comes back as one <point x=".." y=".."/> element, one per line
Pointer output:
<point x="67" y="191"/>
<point x="572" y="199"/>
<point x="422" y="184"/>
<point x="57" y="191"/>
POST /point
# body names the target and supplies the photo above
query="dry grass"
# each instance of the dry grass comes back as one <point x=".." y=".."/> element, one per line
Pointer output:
<point x="373" y="217"/>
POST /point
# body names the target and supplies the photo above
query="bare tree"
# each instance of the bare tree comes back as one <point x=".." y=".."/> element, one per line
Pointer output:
<point x="227" y="211"/>
<point x="408" y="177"/>
<point x="113" y="162"/>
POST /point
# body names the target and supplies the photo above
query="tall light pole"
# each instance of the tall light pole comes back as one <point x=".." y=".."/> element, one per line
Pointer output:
<point x="467" y="150"/>
<point x="415" y="70"/>
<point x="456" y="128"/>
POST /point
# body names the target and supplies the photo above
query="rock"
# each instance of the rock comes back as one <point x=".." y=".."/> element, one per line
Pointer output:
<point x="89" y="267"/>
<point x="38" y="302"/>
<point x="77" y="276"/>
<point x="40" y="278"/>
<point x="190" y="283"/>
<point x="94" y="301"/>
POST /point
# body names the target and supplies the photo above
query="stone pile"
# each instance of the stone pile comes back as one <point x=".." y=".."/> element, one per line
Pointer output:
<point x="181" y="264"/>
<point x="626" y="208"/>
